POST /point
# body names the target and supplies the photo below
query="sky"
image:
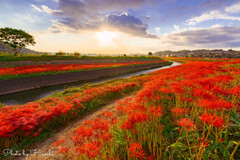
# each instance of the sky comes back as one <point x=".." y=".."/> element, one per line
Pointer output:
<point x="125" y="26"/>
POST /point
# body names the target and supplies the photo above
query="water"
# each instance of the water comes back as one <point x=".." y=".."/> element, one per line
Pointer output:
<point x="36" y="94"/>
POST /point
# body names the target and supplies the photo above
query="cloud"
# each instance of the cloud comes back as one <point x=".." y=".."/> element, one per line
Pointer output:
<point x="158" y="30"/>
<point x="215" y="4"/>
<point x="119" y="23"/>
<point x="45" y="9"/>
<point x="94" y="15"/>
<point x="36" y="8"/>
<point x="92" y="7"/>
<point x="48" y="10"/>
<point x="234" y="8"/>
<point x="210" y="16"/>
<point x="128" y="24"/>
<point x="213" y="37"/>
<point x="176" y="27"/>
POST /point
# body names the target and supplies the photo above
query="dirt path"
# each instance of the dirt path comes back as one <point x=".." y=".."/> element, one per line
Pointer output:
<point x="49" y="145"/>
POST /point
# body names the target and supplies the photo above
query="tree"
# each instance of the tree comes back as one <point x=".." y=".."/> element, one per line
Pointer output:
<point x="150" y="53"/>
<point x="60" y="53"/>
<point x="16" y="39"/>
<point x="76" y="54"/>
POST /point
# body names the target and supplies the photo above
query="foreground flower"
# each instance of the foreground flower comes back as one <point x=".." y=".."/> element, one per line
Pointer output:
<point x="136" y="151"/>
<point x="156" y="111"/>
<point x="91" y="150"/>
<point x="59" y="142"/>
<point x="178" y="111"/>
<point x="203" y="143"/>
<point x="212" y="119"/>
<point x="187" y="123"/>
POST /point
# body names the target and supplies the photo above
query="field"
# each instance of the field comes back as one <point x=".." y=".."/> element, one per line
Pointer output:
<point x="35" y="65"/>
<point x="36" y="58"/>
<point x="48" y="69"/>
<point x="18" y="76"/>
<point x="189" y="111"/>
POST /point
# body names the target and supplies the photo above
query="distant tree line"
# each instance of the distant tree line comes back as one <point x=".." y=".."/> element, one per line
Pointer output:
<point x="203" y="53"/>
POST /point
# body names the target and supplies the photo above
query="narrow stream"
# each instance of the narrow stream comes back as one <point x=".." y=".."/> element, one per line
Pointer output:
<point x="36" y="94"/>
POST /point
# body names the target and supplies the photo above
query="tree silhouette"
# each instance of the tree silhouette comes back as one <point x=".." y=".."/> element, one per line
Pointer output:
<point x="150" y="53"/>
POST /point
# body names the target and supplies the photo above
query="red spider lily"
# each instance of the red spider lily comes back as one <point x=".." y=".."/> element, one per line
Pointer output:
<point x="32" y="116"/>
<point x="212" y="119"/>
<point x="156" y="111"/>
<point x="64" y="150"/>
<point x="177" y="88"/>
<point x="107" y="136"/>
<point x="197" y="92"/>
<point x="133" y="119"/>
<point x="60" y="142"/>
<point x="178" y="111"/>
<point x="219" y="90"/>
<point x="136" y="151"/>
<point x="217" y="104"/>
<point x="85" y="132"/>
<point x="186" y="123"/>
<point x="235" y="91"/>
<point x="199" y="83"/>
<point x="23" y="70"/>
<point x="91" y="150"/>
<point x="107" y="114"/>
<point x="203" y="143"/>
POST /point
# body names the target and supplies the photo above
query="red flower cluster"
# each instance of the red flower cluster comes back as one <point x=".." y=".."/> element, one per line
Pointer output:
<point x="136" y="151"/>
<point x="212" y="119"/>
<point x="187" y="123"/>
<point x="92" y="135"/>
<point x="178" y="111"/>
<point x="30" y="119"/>
<point x="133" y="119"/>
<point x="23" y="70"/>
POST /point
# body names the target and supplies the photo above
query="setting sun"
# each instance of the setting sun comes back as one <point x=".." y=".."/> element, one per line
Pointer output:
<point x="106" y="37"/>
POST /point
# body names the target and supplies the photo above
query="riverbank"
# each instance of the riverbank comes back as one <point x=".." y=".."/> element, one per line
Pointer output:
<point x="28" y="83"/>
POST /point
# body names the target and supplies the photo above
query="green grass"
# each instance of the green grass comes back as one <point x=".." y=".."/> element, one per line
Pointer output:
<point x="32" y="57"/>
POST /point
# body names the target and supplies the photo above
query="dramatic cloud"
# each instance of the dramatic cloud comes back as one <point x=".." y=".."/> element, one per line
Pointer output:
<point x="120" y="23"/>
<point x="98" y="14"/>
<point x="223" y="37"/>
<point x="128" y="24"/>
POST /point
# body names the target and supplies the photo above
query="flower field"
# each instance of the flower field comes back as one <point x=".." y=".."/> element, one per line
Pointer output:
<point x="28" y="121"/>
<point x="189" y="111"/>
<point x="186" y="112"/>
<point x="24" y="71"/>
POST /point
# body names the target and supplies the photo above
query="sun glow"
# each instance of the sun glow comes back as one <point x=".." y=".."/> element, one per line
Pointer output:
<point x="106" y="37"/>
